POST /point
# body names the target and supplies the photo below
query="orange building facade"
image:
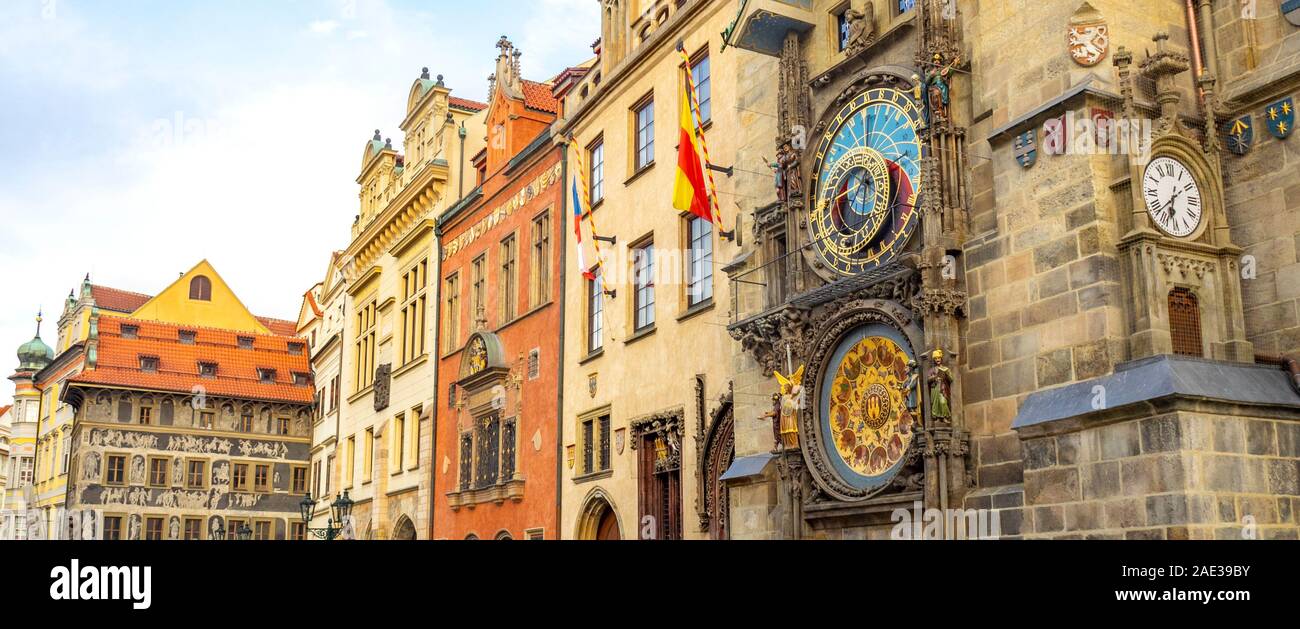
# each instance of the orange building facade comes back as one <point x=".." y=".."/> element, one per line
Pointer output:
<point x="496" y="450"/>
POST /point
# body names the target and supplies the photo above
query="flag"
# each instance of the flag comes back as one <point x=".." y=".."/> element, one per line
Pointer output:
<point x="689" y="193"/>
<point x="577" y="229"/>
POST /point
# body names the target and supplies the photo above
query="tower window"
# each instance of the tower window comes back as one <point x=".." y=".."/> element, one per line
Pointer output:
<point x="201" y="288"/>
<point x="1185" y="323"/>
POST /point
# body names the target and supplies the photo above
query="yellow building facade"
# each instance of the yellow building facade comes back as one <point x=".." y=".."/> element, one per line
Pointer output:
<point x="383" y="443"/>
<point x="647" y="361"/>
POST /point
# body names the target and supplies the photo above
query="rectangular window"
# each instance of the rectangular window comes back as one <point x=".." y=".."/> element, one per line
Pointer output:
<point x="239" y="477"/>
<point x="146" y="415"/>
<point x="603" y="459"/>
<point x="262" y="530"/>
<point x="297" y="531"/>
<point x="296" y="349"/>
<point x="113" y="527"/>
<point x="351" y="461"/>
<point x="245" y="342"/>
<point x="233" y="526"/>
<point x="906" y="5"/>
<point x="206" y="418"/>
<point x="541" y="260"/>
<point x="298" y="484"/>
<point x="399" y="443"/>
<point x="187" y="337"/>
<point x="595" y="314"/>
<point x="266" y="376"/>
<point x="643" y="260"/>
<point x="158" y="472"/>
<point x="153" y="528"/>
<point x="196" y="475"/>
<point x="329" y="470"/>
<point x="509" y="278"/>
<point x="842" y="28"/>
<point x="703" y="87"/>
<point x="26" y="470"/>
<point x="262" y="478"/>
<point x="246" y="423"/>
<point x="67" y="452"/>
<point x="596" y="162"/>
<point x="413" y="315"/>
<point x="114" y="470"/>
<point x="451" y="314"/>
<point x="645" y="135"/>
<point x="466" y="460"/>
<point x="315" y="480"/>
<point x="699" y="266"/>
<point x="193" y="528"/>
<point x="588" y="446"/>
<point x="149" y="364"/>
<point x="368" y="462"/>
<point x="282" y="425"/>
<point x="414" y="457"/>
<point x="478" y="287"/>
<point x="208" y="370"/>
<point x="130" y="331"/>
<point x="365" y="326"/>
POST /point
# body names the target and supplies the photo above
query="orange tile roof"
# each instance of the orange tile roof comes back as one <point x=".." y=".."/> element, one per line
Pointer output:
<point x="117" y="300"/>
<point x="538" y="96"/>
<point x="279" y="327"/>
<point x="118" y="362"/>
<point x="5" y="409"/>
<point x="465" y="103"/>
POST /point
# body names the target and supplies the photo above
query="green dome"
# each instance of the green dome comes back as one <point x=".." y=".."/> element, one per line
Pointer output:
<point x="34" y="354"/>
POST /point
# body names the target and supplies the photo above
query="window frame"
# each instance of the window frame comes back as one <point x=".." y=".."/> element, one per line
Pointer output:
<point x="705" y="261"/>
<point x="643" y="134"/>
<point x="643" y="288"/>
<point x="595" y="312"/>
<point x="508" y="294"/>
<point x="596" y="171"/>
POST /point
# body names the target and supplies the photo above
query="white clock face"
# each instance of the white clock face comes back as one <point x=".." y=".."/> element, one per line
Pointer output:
<point x="1172" y="196"/>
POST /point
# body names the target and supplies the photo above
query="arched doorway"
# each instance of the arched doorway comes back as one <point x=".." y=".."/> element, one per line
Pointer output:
<point x="404" y="530"/>
<point x="599" y="519"/>
<point x="717" y="455"/>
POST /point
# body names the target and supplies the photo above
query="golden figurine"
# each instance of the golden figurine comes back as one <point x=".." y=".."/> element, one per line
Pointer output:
<point x="792" y="399"/>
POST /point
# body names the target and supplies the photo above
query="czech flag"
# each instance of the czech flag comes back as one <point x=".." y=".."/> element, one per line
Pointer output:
<point x="577" y="230"/>
<point x="689" y="193"/>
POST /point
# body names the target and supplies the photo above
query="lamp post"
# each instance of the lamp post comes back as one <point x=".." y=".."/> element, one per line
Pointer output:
<point x="243" y="533"/>
<point x="340" y="511"/>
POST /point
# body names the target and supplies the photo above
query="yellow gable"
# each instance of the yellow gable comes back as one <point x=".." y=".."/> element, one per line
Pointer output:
<point x="200" y="298"/>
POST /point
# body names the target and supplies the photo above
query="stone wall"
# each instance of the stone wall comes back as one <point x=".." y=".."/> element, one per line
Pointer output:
<point x="1182" y="474"/>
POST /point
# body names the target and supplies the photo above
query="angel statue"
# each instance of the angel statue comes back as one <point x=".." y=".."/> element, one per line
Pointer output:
<point x="792" y="399"/>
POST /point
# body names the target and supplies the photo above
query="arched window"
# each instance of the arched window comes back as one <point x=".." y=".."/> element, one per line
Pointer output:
<point x="1185" y="323"/>
<point x="504" y="536"/>
<point x="201" y="288"/>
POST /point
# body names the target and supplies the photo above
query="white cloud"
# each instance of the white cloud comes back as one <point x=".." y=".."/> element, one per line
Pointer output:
<point x="323" y="27"/>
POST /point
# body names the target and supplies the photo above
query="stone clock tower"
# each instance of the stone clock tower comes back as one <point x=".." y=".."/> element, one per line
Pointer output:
<point x="1181" y="269"/>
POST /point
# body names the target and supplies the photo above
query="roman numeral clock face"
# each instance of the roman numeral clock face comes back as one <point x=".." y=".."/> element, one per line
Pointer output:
<point x="1173" y="197"/>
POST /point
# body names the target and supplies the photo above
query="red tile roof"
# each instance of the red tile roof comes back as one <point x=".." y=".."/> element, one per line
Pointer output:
<point x="118" y="362"/>
<point x="279" y="327"/>
<point x="465" y="103"/>
<point x="5" y="409"/>
<point x="538" y="96"/>
<point x="117" y="300"/>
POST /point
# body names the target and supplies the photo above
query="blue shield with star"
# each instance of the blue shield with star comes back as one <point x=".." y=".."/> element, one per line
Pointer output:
<point x="1241" y="134"/>
<point x="1280" y="118"/>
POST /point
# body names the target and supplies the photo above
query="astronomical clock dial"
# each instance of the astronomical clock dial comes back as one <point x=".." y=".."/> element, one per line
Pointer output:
<point x="868" y="169"/>
<point x="1173" y="197"/>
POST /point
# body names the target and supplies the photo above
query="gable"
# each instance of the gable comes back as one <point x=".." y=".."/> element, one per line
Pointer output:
<point x="221" y="310"/>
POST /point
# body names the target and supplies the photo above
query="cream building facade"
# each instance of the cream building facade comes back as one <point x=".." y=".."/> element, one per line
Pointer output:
<point x="383" y="454"/>
<point x="646" y="367"/>
<point x="321" y="322"/>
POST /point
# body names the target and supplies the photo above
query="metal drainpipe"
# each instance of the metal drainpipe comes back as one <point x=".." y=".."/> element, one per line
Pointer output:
<point x="1211" y="56"/>
<point x="460" y="192"/>
<point x="1193" y="31"/>
<point x="437" y="350"/>
<point x="559" y="406"/>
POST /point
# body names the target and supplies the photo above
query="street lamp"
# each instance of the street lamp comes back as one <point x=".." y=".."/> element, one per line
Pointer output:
<point x="243" y="533"/>
<point x="340" y="511"/>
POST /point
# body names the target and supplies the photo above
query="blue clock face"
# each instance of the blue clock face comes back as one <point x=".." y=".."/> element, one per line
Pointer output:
<point x="868" y="168"/>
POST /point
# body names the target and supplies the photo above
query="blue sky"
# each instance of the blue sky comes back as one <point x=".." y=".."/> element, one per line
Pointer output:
<point x="141" y="137"/>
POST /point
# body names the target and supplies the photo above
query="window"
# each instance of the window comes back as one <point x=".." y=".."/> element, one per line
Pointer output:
<point x="329" y="470"/>
<point x="239" y="477"/>
<point x="153" y="528"/>
<point x="703" y="87"/>
<point x="282" y="425"/>
<point x="368" y="460"/>
<point x="699" y="266"/>
<point x="113" y="527"/>
<point x="298" y="481"/>
<point x="842" y="28"/>
<point x="187" y="337"/>
<point x="351" y="460"/>
<point x="266" y="376"/>
<point x="365" y="346"/>
<point x="296" y="349"/>
<point x="130" y="331"/>
<point x="488" y="441"/>
<point x="645" y="135"/>
<point x="478" y="287"/>
<point x="158" y="472"/>
<point x="26" y="470"/>
<point x="414" y="307"/>
<point x="906" y="5"/>
<point x="595" y="313"/>
<point x="540" y="276"/>
<point x="643" y="260"/>
<point x="596" y="164"/>
<point x="245" y="342"/>
<point x="146" y="415"/>
<point x="233" y="525"/>
<point x="206" y="419"/>
<point x="262" y="478"/>
<point x="67" y="452"/>
<point x="196" y="475"/>
<point x="399" y="443"/>
<point x="246" y="422"/>
<point x="414" y="447"/>
<point x="201" y="288"/>
<point x="451" y="316"/>
<point x="1185" y="323"/>
<point x="114" y="470"/>
<point x="301" y="379"/>
<point x="193" y="528"/>
<point x="315" y="479"/>
<point x="509" y="278"/>
<point x="595" y="444"/>
<point x="534" y="363"/>
<point x="208" y="370"/>
<point x="297" y="531"/>
<point x="262" y="530"/>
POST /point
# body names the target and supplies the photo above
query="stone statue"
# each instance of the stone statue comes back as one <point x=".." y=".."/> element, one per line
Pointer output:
<point x="133" y="530"/>
<point x="861" y="29"/>
<point x="940" y="381"/>
<point x="137" y="470"/>
<point x="175" y="528"/>
<point x="779" y="174"/>
<point x="937" y="89"/>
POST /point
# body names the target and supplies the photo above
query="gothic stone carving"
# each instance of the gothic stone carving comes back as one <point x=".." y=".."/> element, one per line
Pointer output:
<point x="383" y="385"/>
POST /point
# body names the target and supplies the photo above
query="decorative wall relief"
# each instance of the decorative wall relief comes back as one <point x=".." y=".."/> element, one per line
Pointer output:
<point x="137" y="470"/>
<point x="110" y="438"/>
<point x="133" y="528"/>
<point x="90" y="466"/>
<point x="383" y="385"/>
<point x="174" y="528"/>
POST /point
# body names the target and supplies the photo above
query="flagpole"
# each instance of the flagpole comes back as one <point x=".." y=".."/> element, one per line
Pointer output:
<point x="585" y="191"/>
<point x="697" y="118"/>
